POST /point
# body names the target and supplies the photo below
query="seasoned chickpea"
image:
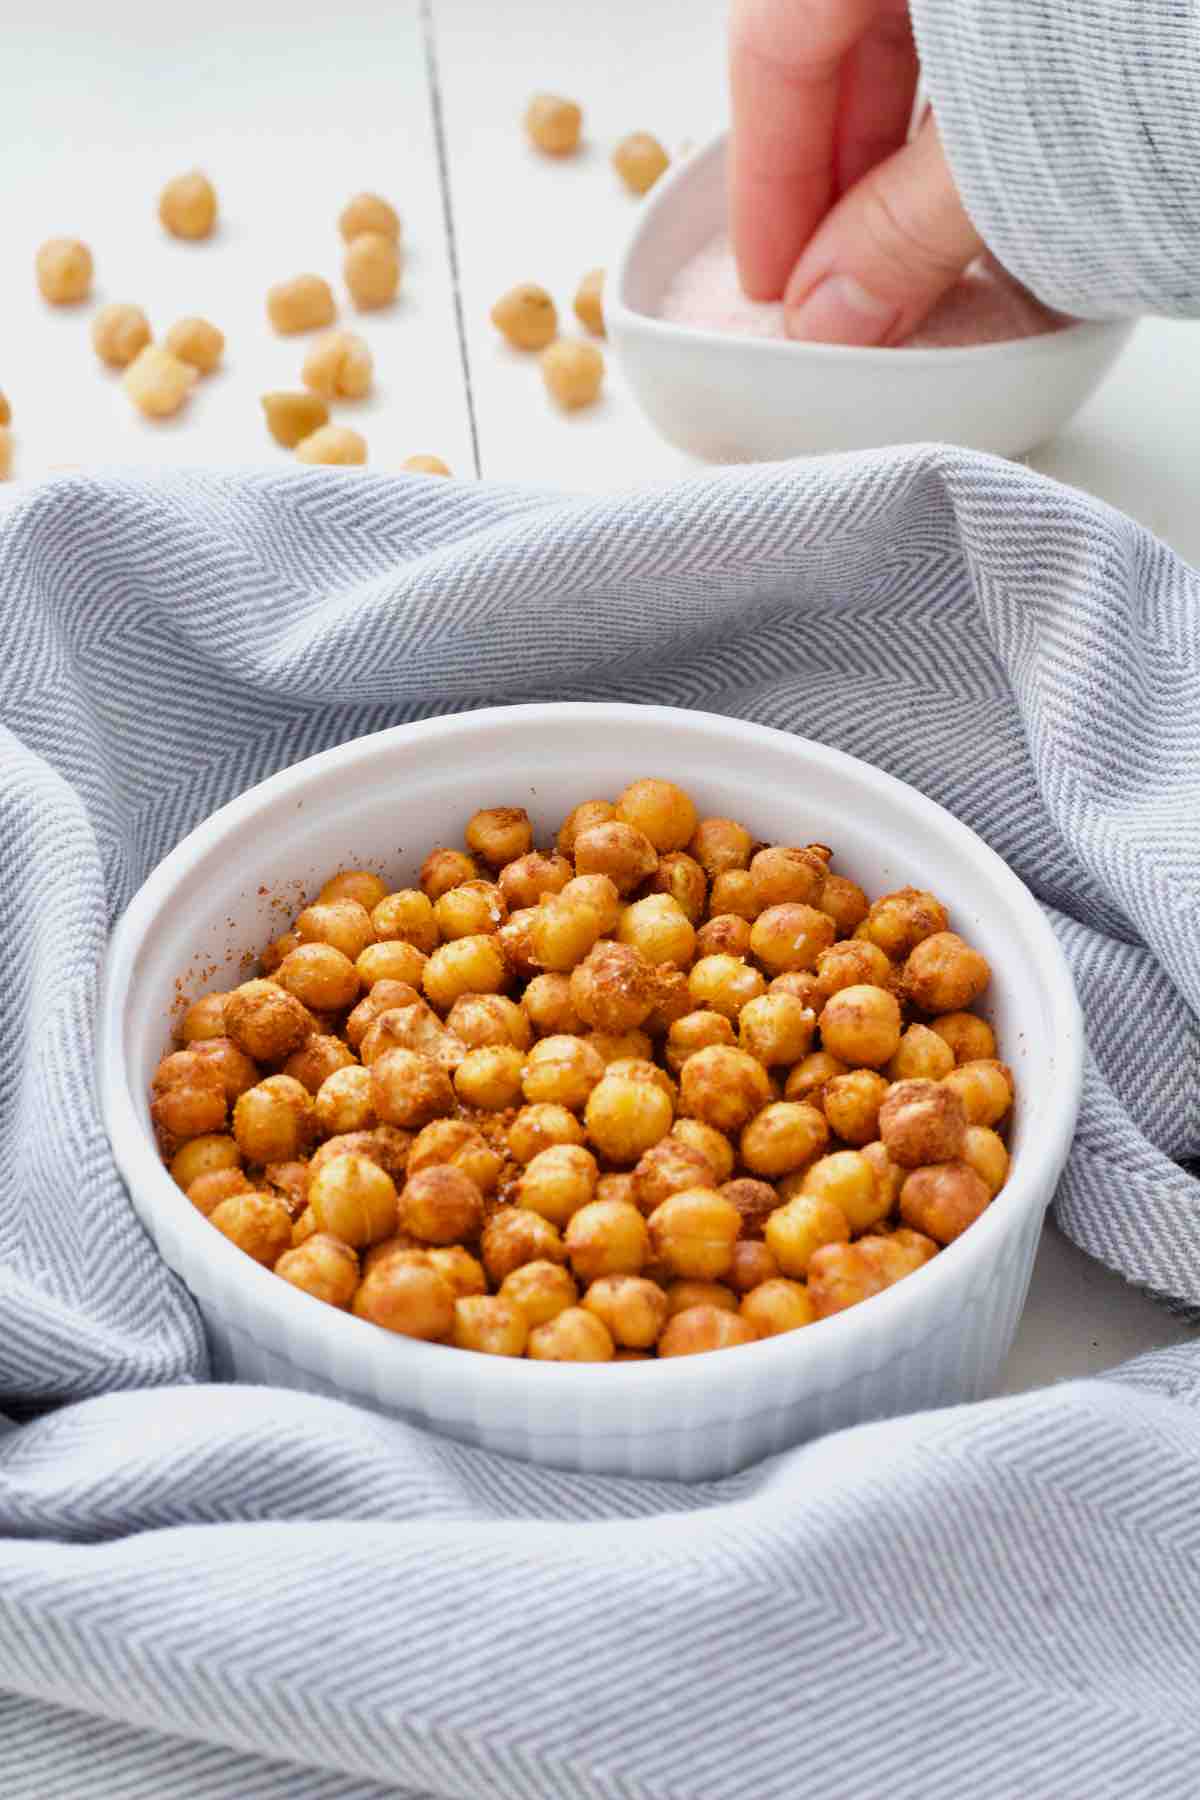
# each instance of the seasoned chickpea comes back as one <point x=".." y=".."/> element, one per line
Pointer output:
<point x="207" y="1191"/>
<point x="474" y="909"/>
<point x="726" y="935"/>
<point x="189" y="1096"/>
<point x="490" y="1324"/>
<point x="660" y="810"/>
<point x="625" y="1116"/>
<point x="776" y="1028"/>
<point x="394" y="961"/>
<point x="302" y="304"/>
<point x="561" y="932"/>
<point x="360" y="885"/>
<point x="440" y="1205"/>
<point x="468" y="965"/>
<point x="259" y="1224"/>
<point x="582" y="818"/>
<point x="811" y="1077"/>
<point x="985" y="1089"/>
<point x="658" y="929"/>
<point x="321" y="1266"/>
<point x="599" y="894"/>
<point x="526" y="315"/>
<point x="922" y="1056"/>
<point x="899" y="1253"/>
<point x="490" y="1077"/>
<point x="633" y="1309"/>
<point x="670" y="1167"/>
<point x="454" y="1143"/>
<point x="273" y="1121"/>
<point x="385" y="1146"/>
<point x="547" y="1002"/>
<point x="529" y="878"/>
<point x="553" y="124"/>
<point x="616" y="849"/>
<point x="64" y="271"/>
<point x="119" y="333"/>
<point x="540" y="1125"/>
<point x="723" y="1087"/>
<point x="187" y="206"/>
<point x="852" y="963"/>
<point x="542" y="1290"/>
<point x="752" y="1264"/>
<point x="409" y="1089"/>
<point x="639" y="160"/>
<point x="778" y="1305"/>
<point x="970" y="1039"/>
<point x="852" y="1105"/>
<point x="898" y="922"/>
<point x="984" y="1152"/>
<point x="574" y="1335"/>
<point x="787" y="876"/>
<point x="478" y="1020"/>
<point x="703" y="1328"/>
<point x="719" y="845"/>
<point x="616" y="1187"/>
<point x="733" y="891"/>
<point x="514" y="1236"/>
<point x="606" y="1237"/>
<point x="861" y="1025"/>
<point x="414" y="1026"/>
<point x="344" y="1102"/>
<point x="335" y="445"/>
<point x="640" y="1068"/>
<point x="802" y="985"/>
<point x="320" y="977"/>
<point x="790" y="936"/>
<point x="425" y="465"/>
<point x="291" y="1179"/>
<point x="842" y="1275"/>
<point x="343" y="923"/>
<point x="724" y="984"/>
<point x="385" y="996"/>
<point x="407" y="915"/>
<point x="613" y="988"/>
<point x="622" y="1047"/>
<point x="562" y="1070"/>
<point x="204" y="1018"/>
<point x="237" y="1070"/>
<point x="845" y="902"/>
<point x="853" y="1183"/>
<point x="207" y="1154"/>
<point x="572" y="372"/>
<point x="588" y="303"/>
<point x="922" y="1122"/>
<point x="672" y="999"/>
<point x="696" y="1031"/>
<point x="755" y="1200"/>
<point x="681" y="877"/>
<point x="785" y="1135"/>
<point x="304" y="1227"/>
<point x="458" y="1267"/>
<point x="371" y="269"/>
<point x="197" y="342"/>
<point x="557" y="1182"/>
<point x="889" y="1176"/>
<point x="157" y="382"/>
<point x="407" y="1297"/>
<point x="681" y="1295"/>
<point x="794" y="1231"/>
<point x="292" y="417"/>
<point x="943" y="974"/>
<point x="942" y="1200"/>
<point x="499" y="834"/>
<point x="693" y="1233"/>
<point x="339" y="366"/>
<point x="713" y="1145"/>
<point x="368" y="212"/>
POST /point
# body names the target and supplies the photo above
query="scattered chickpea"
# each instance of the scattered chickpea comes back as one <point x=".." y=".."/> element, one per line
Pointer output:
<point x="612" y="989"/>
<point x="386" y="1147"/>
<point x="425" y="465"/>
<point x="943" y="1200"/>
<point x="733" y="891"/>
<point x="321" y="1266"/>
<point x="491" y="1324"/>
<point x="339" y="365"/>
<point x="573" y="1335"/>
<point x="600" y="896"/>
<point x="840" y="1276"/>
<point x="474" y="909"/>
<point x="852" y="1103"/>
<point x="971" y="1039"/>
<point x="633" y="1310"/>
<point x="467" y="965"/>
<point x="197" y="342"/>
<point x="802" y="985"/>
<point x="335" y="445"/>
<point x="157" y="382"/>
<point x="384" y="996"/>
<point x="499" y="834"/>
<point x="407" y="1297"/>
<point x="6" y="448"/>
<point x="64" y="271"/>
<point x="455" y="1144"/>
<point x="526" y="315"/>
<point x="589" y="302"/>
<point x="922" y="1056"/>
<point x="273" y="1121"/>
<point x="616" y="1186"/>
<point x="755" y="1200"/>
<point x="562" y="1070"/>
<point x="371" y="268"/>
<point x="361" y="885"/>
<point x="660" y="810"/>
<point x="703" y="1328"/>
<point x="542" y="1290"/>
<point x="778" y="1305"/>
<point x="187" y="206"/>
<point x="291" y="418"/>
<point x="118" y="333"/>
<point x="553" y="124"/>
<point x="639" y="160"/>
<point x="353" y="1199"/>
<point x="853" y="962"/>
<point x="304" y="303"/>
<point x="573" y="372"/>
<point x="368" y="213"/>
<point x="259" y="1224"/>
<point x="985" y="1089"/>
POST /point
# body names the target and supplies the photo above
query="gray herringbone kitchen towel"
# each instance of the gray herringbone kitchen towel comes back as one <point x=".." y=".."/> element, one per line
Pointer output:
<point x="217" y="1592"/>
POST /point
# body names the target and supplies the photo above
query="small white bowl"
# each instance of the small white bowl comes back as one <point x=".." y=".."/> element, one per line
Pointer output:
<point x="936" y="1338"/>
<point x="738" y="399"/>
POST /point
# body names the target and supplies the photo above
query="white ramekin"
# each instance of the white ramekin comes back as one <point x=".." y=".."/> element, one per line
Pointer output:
<point x="936" y="1338"/>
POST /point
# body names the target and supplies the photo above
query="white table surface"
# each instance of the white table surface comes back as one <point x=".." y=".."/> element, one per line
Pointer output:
<point x="289" y="118"/>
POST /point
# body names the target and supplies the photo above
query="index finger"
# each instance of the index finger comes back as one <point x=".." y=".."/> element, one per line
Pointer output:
<point x="785" y="59"/>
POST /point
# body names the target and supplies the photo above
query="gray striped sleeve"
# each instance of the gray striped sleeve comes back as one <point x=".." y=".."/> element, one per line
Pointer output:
<point x="1073" y="129"/>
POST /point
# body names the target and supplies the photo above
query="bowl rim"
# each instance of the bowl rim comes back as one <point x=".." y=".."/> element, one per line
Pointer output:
<point x="622" y="315"/>
<point x="422" y="1368"/>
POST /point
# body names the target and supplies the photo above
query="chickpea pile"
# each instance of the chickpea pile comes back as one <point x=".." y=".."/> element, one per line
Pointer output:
<point x="656" y="1089"/>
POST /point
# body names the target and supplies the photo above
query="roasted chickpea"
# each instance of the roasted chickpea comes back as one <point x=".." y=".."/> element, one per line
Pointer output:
<point x="785" y="876"/>
<point x="207" y="1191"/>
<point x="480" y="1020"/>
<point x="316" y="1061"/>
<point x="842" y="1275"/>
<point x="412" y="1027"/>
<point x="204" y="1018"/>
<point x="514" y="1236"/>
<point x="599" y="894"/>
<point x="794" y="1231"/>
<point x="889" y="1176"/>
<point x="385" y="1146"/>
<point x="320" y="977"/>
<point x="371" y="268"/>
<point x="490" y="1324"/>
<point x="785" y="1135"/>
<point x="658" y="929"/>
<point x="984" y="1152"/>
<point x="529" y="878"/>
<point x="526" y="315"/>
<point x="943" y="974"/>
<point x="409" y="1089"/>
<point x="455" y="1144"/>
<point x="540" y="1125"/>
<point x="752" y="1264"/>
<point x="670" y="1167"/>
<point x="922" y="1056"/>
<point x="942" y="1200"/>
<point x="899" y="1253"/>
<point x="562" y="1070"/>
<point x="207" y="1154"/>
<point x="490" y="1077"/>
<point x="726" y="935"/>
<point x="810" y="1078"/>
<point x="853" y="1183"/>
<point x="681" y="877"/>
<point x="516" y="941"/>
<point x="755" y="1200"/>
<point x="985" y="1089"/>
<point x="393" y="961"/>
<point x="573" y="1335"/>
<point x="304" y="1227"/>
<point x="561" y="932"/>
<point x="633" y="1309"/>
<point x="408" y="915"/>
<point x="776" y="1028"/>
<point x="639" y="160"/>
<point x="499" y="834"/>
<point x="703" y="1328"/>
<point x="407" y="1297"/>
<point x="852" y="963"/>
<point x="442" y="870"/>
<point x="622" y="1046"/>
<point x="343" y="924"/>
<point x="344" y="1102"/>
<point x="672" y="999"/>
<point x="616" y="1187"/>
<point x="898" y="922"/>
<point x="273" y="1121"/>
<point x="557" y="1182"/>
<point x="321" y="1266"/>
<point x="384" y="997"/>
<point x="719" y="845"/>
<point x="619" y="850"/>
<point x="802" y="985"/>
<point x="582" y="818"/>
<point x="852" y="1105"/>
<point x="861" y="1025"/>
<point x="778" y="1305"/>
<point x="625" y="1116"/>
<point x="475" y="909"/>
<point x="361" y="885"/>
<point x="693" y="1233"/>
<point x="237" y="1070"/>
<point x="922" y="1122"/>
<point x="733" y="891"/>
<point x="553" y="124"/>
<point x="713" y="1145"/>
<point x="660" y="810"/>
<point x="790" y="936"/>
<point x="724" y="984"/>
<point x="845" y="903"/>
<point x="612" y="989"/>
<point x="681" y="1295"/>
<point x="266" y="1021"/>
<point x="696" y="1031"/>
<point x="970" y="1039"/>
<point x="259" y="1224"/>
<point x="440" y="1205"/>
<point x="723" y="1087"/>
<point x="606" y="1237"/>
<point x="291" y="1180"/>
<point x="541" y="1290"/>
<point x="469" y="965"/>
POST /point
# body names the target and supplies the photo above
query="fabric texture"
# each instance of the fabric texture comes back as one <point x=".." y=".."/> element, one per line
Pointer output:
<point x="1074" y="135"/>
<point x="240" y="1592"/>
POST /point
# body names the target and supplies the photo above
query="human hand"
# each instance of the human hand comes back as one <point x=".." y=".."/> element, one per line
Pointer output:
<point x="859" y="230"/>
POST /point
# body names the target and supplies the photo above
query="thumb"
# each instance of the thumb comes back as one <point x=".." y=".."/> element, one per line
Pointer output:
<point x="886" y="253"/>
